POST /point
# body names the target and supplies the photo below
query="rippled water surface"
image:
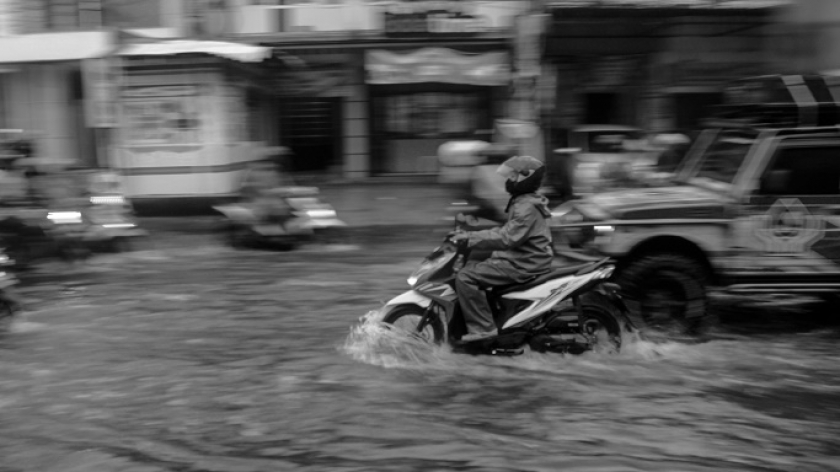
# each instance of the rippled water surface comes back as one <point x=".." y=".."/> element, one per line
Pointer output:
<point x="227" y="361"/>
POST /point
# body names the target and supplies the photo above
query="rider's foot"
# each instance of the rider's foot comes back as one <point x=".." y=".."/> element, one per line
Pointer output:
<point x="478" y="336"/>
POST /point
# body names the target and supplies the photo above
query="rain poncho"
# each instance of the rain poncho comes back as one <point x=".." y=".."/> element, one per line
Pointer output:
<point x="522" y="252"/>
<point x="524" y="240"/>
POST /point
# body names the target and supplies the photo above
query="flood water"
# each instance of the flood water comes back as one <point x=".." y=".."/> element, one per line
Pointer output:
<point x="251" y="361"/>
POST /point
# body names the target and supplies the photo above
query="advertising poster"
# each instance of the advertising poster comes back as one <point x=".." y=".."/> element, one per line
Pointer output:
<point x="163" y="115"/>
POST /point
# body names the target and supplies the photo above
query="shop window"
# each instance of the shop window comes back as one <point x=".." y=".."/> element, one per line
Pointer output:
<point x="430" y="114"/>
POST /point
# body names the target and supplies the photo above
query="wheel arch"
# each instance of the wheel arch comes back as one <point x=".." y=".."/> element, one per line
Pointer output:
<point x="672" y="244"/>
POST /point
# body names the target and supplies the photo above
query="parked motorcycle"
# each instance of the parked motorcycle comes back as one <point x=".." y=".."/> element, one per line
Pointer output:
<point x="568" y="310"/>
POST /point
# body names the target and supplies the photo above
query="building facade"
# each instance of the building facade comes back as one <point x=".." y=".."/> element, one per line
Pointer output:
<point x="375" y="87"/>
<point x="55" y="88"/>
<point x="372" y="87"/>
<point x="657" y="65"/>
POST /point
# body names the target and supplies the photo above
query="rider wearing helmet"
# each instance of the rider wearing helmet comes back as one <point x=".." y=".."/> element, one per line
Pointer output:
<point x="522" y="246"/>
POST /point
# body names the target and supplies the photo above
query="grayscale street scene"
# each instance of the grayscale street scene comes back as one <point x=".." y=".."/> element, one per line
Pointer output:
<point x="412" y="235"/>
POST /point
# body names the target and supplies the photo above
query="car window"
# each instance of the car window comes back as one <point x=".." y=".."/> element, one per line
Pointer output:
<point x="804" y="170"/>
<point x="725" y="156"/>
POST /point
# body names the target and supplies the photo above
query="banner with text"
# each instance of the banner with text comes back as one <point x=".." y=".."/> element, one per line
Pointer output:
<point x="437" y="65"/>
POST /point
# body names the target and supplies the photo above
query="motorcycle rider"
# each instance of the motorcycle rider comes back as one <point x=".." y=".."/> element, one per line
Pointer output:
<point x="522" y="246"/>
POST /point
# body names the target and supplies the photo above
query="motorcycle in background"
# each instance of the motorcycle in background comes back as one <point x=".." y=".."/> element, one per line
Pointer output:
<point x="274" y="209"/>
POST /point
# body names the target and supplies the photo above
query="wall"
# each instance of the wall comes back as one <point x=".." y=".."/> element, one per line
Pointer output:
<point x="807" y="37"/>
<point x="39" y="99"/>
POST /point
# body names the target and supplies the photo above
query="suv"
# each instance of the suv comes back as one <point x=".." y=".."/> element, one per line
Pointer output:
<point x="754" y="207"/>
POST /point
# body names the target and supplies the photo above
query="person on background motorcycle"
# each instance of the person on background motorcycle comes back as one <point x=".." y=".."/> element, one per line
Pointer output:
<point x="522" y="246"/>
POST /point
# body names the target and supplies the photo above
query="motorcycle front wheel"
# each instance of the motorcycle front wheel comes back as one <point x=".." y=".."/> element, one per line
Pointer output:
<point x="410" y="319"/>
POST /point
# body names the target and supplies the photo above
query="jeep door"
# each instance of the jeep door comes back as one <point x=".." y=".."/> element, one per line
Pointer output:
<point x="788" y="232"/>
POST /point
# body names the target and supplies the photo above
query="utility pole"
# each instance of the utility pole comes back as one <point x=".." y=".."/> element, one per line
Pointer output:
<point x="523" y="126"/>
<point x="529" y="28"/>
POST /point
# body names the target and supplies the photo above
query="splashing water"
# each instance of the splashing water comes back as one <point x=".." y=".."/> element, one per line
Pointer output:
<point x="376" y="343"/>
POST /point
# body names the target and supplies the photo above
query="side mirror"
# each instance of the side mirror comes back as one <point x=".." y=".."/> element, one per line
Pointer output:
<point x="775" y="182"/>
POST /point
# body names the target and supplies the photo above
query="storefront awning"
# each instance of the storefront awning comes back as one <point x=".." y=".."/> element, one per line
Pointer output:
<point x="236" y="51"/>
<point x="51" y="47"/>
<point x="437" y="65"/>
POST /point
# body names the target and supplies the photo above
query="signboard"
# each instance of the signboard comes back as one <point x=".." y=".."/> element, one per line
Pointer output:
<point x="163" y="115"/>
<point x="432" y="18"/>
<point x="437" y="65"/>
<point x="312" y="82"/>
<point x="102" y="78"/>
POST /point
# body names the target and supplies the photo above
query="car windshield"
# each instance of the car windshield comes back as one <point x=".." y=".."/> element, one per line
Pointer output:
<point x="724" y="156"/>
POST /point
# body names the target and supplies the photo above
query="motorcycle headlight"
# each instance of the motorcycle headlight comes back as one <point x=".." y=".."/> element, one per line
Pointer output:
<point x="420" y="272"/>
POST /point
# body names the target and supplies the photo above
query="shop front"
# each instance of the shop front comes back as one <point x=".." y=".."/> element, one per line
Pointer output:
<point x="420" y="99"/>
<point x="646" y="64"/>
<point x="191" y="120"/>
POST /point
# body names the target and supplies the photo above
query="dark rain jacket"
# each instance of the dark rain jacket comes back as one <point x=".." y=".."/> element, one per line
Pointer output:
<point x="524" y="240"/>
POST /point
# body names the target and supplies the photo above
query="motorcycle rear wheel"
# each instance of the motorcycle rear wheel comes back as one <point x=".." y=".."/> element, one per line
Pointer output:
<point x="599" y="324"/>
<point x="407" y="318"/>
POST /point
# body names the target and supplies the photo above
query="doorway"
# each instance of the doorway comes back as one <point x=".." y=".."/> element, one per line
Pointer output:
<point x="602" y="109"/>
<point x="311" y="129"/>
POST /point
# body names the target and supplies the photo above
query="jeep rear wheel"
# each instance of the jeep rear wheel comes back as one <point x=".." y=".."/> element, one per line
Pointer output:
<point x="668" y="290"/>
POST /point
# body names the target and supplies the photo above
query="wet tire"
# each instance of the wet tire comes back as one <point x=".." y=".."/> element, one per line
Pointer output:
<point x="599" y="323"/>
<point x="407" y="318"/>
<point x="668" y="291"/>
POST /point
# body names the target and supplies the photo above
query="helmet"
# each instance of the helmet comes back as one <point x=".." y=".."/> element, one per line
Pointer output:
<point x="524" y="174"/>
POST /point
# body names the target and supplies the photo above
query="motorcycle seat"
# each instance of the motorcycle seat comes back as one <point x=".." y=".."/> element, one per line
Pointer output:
<point x="541" y="279"/>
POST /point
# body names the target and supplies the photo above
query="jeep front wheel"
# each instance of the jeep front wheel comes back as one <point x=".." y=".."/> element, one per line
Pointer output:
<point x="669" y="292"/>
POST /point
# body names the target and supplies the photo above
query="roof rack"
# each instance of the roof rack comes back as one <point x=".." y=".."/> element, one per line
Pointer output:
<point x="778" y="101"/>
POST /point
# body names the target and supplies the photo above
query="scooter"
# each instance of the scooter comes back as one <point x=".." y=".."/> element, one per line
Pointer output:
<point x="569" y="310"/>
<point x="284" y="215"/>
